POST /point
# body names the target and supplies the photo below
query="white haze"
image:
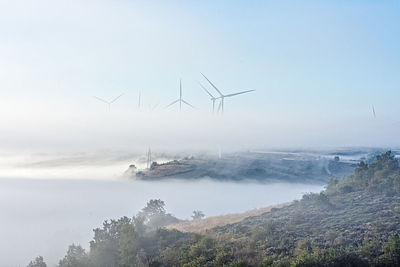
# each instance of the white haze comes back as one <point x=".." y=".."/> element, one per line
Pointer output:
<point x="43" y="217"/>
<point x="134" y="131"/>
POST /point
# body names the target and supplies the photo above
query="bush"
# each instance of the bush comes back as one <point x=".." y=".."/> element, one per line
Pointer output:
<point x="391" y="252"/>
<point x="37" y="262"/>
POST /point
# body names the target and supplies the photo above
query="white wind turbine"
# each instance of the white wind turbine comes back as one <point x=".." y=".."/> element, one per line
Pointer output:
<point x="139" y="103"/>
<point x="108" y="102"/>
<point x="373" y="111"/>
<point x="222" y="96"/>
<point x="180" y="99"/>
<point x="213" y="98"/>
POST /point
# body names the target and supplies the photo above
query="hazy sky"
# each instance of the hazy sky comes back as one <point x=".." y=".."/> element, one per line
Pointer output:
<point x="317" y="68"/>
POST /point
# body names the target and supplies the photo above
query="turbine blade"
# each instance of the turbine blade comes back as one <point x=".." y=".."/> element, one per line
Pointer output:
<point x="206" y="91"/>
<point x="373" y="110"/>
<point x="115" y="99"/>
<point x="187" y="103"/>
<point x="239" y="93"/>
<point x="102" y="100"/>
<point x="219" y="92"/>
<point x="172" y="103"/>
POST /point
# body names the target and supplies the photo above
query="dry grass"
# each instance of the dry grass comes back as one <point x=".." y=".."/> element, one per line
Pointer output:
<point x="201" y="226"/>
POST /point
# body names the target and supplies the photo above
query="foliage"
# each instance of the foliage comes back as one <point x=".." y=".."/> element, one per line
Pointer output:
<point x="391" y="252"/>
<point x="37" y="262"/>
<point x="382" y="175"/>
<point x="197" y="215"/>
<point x="76" y="257"/>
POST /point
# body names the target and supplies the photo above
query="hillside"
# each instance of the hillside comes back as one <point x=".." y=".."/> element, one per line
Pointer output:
<point x="354" y="222"/>
<point x="262" y="167"/>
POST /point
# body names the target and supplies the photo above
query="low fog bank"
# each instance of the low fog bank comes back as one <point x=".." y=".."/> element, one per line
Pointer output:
<point x="43" y="217"/>
<point x="171" y="131"/>
<point x="85" y="165"/>
<point x="315" y="164"/>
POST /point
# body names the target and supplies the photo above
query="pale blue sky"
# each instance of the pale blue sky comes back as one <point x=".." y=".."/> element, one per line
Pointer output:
<point x="311" y="61"/>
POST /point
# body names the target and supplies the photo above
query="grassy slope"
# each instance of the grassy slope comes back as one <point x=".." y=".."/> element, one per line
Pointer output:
<point x="204" y="225"/>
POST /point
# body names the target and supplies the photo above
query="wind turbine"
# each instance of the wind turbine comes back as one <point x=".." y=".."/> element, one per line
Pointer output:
<point x="222" y="96"/>
<point x="149" y="159"/>
<point x="373" y="111"/>
<point x="108" y="102"/>
<point x="140" y="94"/>
<point x="180" y="100"/>
<point x="213" y="98"/>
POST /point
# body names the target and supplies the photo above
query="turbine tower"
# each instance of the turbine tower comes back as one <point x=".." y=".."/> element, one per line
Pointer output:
<point x="140" y="94"/>
<point x="180" y="99"/>
<point x="108" y="102"/>
<point x="222" y="96"/>
<point x="148" y="159"/>
<point x="213" y="98"/>
<point x="373" y="111"/>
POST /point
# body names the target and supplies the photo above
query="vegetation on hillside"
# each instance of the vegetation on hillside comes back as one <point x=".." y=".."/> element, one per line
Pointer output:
<point x="354" y="222"/>
<point x="261" y="167"/>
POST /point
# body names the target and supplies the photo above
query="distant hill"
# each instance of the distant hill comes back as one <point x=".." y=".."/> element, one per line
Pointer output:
<point x="263" y="167"/>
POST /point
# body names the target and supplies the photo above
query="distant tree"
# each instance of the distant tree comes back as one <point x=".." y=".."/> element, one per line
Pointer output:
<point x="154" y="207"/>
<point x="37" y="262"/>
<point x="153" y="216"/>
<point x="197" y="215"/>
<point x="76" y="257"/>
<point x="104" y="248"/>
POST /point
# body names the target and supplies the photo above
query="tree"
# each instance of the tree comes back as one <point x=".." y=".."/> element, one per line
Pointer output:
<point x="154" y="207"/>
<point x="76" y="257"/>
<point x="38" y="262"/>
<point x="154" y="215"/>
<point x="197" y="215"/>
<point x="104" y="248"/>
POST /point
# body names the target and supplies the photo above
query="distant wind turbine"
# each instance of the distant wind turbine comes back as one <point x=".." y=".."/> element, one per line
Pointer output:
<point x="222" y="96"/>
<point x="149" y="159"/>
<point x="213" y="98"/>
<point x="108" y="102"/>
<point x="140" y="94"/>
<point x="373" y="111"/>
<point x="180" y="99"/>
